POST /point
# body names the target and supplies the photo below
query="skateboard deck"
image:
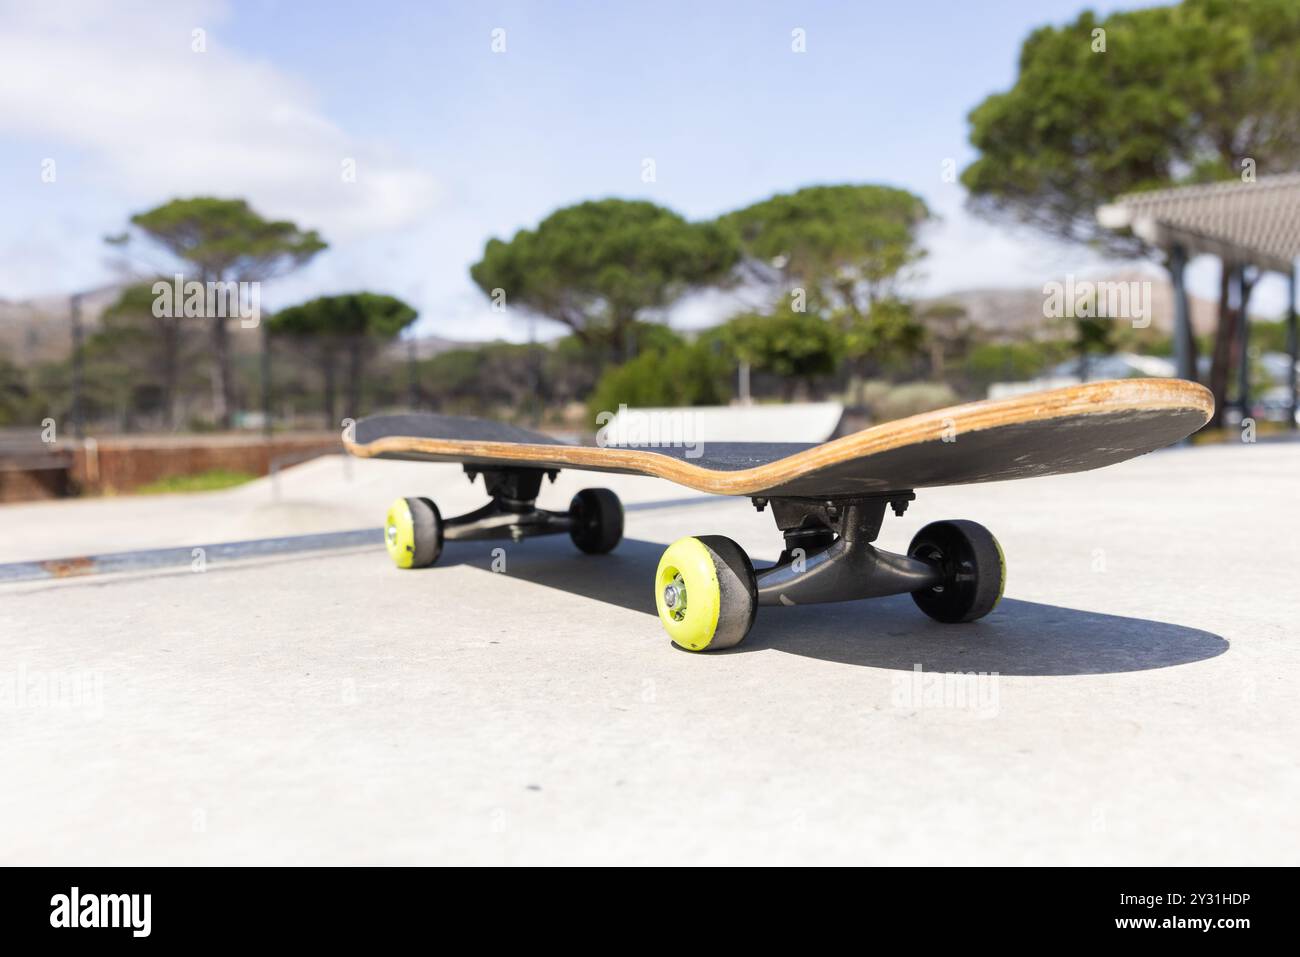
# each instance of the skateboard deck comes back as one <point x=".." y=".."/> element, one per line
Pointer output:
<point x="828" y="500"/>
<point x="1048" y="433"/>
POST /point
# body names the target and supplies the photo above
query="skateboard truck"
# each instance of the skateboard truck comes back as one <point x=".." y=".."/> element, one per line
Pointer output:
<point x="414" y="530"/>
<point x="708" y="592"/>
<point x="828" y="553"/>
<point x="512" y="513"/>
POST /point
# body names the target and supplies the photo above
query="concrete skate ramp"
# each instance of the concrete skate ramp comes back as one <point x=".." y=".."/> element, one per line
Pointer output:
<point x="796" y="422"/>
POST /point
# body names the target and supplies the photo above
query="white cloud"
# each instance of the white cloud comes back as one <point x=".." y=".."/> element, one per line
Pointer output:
<point x="121" y="85"/>
<point x="967" y="252"/>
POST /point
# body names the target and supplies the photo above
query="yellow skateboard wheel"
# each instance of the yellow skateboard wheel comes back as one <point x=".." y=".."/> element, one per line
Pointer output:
<point x="413" y="532"/>
<point x="706" y="593"/>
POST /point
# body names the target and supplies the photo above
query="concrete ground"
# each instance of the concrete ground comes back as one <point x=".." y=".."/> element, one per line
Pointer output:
<point x="1131" y="701"/>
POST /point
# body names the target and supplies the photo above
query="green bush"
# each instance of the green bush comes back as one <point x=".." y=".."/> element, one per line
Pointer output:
<point x="913" y="398"/>
<point x="1009" y="362"/>
<point x="792" y="345"/>
<point x="18" y="406"/>
<point x="1268" y="336"/>
<point x="654" y="337"/>
<point x="679" y="376"/>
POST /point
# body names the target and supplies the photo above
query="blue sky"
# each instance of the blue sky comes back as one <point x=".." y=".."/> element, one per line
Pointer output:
<point x="454" y="143"/>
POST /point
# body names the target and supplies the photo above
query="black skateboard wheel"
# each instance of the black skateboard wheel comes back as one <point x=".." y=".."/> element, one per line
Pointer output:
<point x="974" y="570"/>
<point x="596" y="517"/>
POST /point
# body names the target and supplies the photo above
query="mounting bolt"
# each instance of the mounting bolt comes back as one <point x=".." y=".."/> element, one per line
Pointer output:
<point x="760" y="503"/>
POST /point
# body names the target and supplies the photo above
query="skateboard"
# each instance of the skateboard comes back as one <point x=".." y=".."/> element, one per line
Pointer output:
<point x="829" y="500"/>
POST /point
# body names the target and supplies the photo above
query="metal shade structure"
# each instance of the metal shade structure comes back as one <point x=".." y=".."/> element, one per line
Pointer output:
<point x="1243" y="223"/>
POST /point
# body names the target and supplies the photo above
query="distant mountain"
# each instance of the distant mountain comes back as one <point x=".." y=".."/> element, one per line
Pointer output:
<point x="426" y="347"/>
<point x="1017" y="313"/>
<point x="40" y="329"/>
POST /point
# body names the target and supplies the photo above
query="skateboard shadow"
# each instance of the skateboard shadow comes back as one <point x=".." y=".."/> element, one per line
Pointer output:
<point x="1018" y="638"/>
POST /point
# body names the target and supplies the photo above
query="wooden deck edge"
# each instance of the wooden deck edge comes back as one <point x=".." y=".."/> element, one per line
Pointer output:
<point x="1094" y="398"/>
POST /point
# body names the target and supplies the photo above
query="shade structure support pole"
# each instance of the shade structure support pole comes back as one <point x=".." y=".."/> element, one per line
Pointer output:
<point x="1292" y="344"/>
<point x="1182" y="323"/>
<point x="1243" y="342"/>
<point x="264" y="373"/>
<point x="77" y="411"/>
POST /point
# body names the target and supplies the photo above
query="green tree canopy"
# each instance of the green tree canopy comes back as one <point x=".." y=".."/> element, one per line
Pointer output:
<point x="493" y="379"/>
<point x="990" y="362"/>
<point x="225" y="240"/>
<point x="351" y="324"/>
<point x="681" y="375"/>
<point x="350" y="315"/>
<point x="18" y="403"/>
<point x="797" y="346"/>
<point x="133" y="335"/>
<point x="889" y="333"/>
<point x="840" y="253"/>
<point x="844" y="244"/>
<point x="599" y="266"/>
<point x="1180" y="93"/>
